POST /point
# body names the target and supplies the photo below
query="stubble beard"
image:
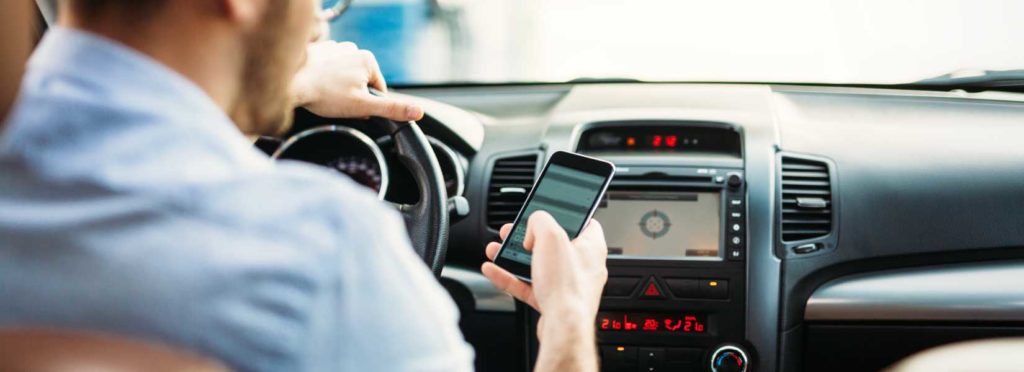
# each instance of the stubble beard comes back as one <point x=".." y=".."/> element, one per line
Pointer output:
<point x="264" y="106"/>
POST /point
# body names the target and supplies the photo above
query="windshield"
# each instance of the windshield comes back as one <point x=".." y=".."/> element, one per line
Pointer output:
<point x="809" y="41"/>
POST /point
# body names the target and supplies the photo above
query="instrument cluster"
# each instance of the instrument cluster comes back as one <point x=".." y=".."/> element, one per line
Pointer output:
<point x="373" y="163"/>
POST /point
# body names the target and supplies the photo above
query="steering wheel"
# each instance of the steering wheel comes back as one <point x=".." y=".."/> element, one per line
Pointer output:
<point x="427" y="220"/>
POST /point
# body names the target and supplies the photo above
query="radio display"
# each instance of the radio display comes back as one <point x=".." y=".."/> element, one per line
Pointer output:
<point x="679" y="138"/>
<point x="662" y="224"/>
<point x="648" y="322"/>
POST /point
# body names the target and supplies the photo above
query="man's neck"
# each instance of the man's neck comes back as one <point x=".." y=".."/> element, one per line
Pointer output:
<point x="197" y="52"/>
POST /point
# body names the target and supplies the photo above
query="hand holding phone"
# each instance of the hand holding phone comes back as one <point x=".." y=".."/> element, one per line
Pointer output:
<point x="566" y="272"/>
<point x="569" y="189"/>
<point x="568" y="277"/>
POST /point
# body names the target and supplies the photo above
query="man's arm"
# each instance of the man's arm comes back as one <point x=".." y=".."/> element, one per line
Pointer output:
<point x="568" y="346"/>
<point x="568" y="277"/>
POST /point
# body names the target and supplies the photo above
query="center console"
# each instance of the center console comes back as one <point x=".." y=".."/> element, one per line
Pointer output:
<point x="675" y="219"/>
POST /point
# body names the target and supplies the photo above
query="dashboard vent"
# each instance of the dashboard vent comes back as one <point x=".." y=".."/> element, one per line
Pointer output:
<point x="511" y="181"/>
<point x="806" y="199"/>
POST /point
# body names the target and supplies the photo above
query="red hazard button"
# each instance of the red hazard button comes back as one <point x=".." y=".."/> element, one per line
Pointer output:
<point x="651" y="290"/>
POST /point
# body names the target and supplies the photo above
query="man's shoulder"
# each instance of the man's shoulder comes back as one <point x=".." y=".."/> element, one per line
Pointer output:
<point x="289" y="195"/>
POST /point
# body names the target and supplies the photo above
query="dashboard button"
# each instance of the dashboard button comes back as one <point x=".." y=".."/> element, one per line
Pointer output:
<point x="735" y="241"/>
<point x="618" y="358"/>
<point x="736" y="227"/>
<point x="620" y="286"/>
<point x="736" y="204"/>
<point x="736" y="215"/>
<point x="684" y="288"/>
<point x="619" y="354"/>
<point x="652" y="290"/>
<point x="651" y="359"/>
<point x="683" y="359"/>
<point x="736" y="254"/>
<point x="716" y="289"/>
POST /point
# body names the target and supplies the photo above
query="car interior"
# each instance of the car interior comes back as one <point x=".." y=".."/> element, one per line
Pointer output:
<point x="752" y="225"/>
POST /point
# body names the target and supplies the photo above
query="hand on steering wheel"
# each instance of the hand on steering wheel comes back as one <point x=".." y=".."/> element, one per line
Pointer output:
<point x="333" y="83"/>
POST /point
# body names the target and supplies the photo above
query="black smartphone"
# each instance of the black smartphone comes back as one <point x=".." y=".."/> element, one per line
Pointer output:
<point x="569" y="188"/>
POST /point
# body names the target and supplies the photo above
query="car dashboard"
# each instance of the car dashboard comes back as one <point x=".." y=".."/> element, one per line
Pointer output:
<point x="751" y="227"/>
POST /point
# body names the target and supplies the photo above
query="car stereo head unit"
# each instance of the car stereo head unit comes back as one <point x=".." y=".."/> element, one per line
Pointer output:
<point x="675" y="224"/>
<point x="694" y="214"/>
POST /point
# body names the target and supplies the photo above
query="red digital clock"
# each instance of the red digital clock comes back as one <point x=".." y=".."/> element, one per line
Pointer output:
<point x="671" y="140"/>
<point x="646" y="322"/>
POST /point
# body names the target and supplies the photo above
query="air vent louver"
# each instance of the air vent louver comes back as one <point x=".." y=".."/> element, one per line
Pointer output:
<point x="511" y="181"/>
<point x="806" y="199"/>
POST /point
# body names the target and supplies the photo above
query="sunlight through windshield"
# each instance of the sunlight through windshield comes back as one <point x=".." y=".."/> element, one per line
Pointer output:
<point x="828" y="41"/>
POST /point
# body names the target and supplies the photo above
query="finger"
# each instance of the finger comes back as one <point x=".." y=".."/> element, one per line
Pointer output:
<point x="318" y="32"/>
<point x="508" y="283"/>
<point x="376" y="77"/>
<point x="347" y="45"/>
<point x="504" y="231"/>
<point x="392" y="109"/>
<point x="541" y="227"/>
<point x="492" y="250"/>
<point x="540" y="327"/>
<point x="592" y="232"/>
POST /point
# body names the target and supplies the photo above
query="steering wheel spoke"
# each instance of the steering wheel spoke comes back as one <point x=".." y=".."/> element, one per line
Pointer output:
<point x="426" y="221"/>
<point x="400" y="207"/>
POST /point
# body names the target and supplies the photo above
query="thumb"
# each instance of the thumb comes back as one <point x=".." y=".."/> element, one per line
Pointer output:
<point x="392" y="109"/>
<point x="542" y="229"/>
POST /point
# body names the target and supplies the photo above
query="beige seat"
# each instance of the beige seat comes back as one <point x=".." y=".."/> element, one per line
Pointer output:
<point x="992" y="355"/>
<point x="38" y="350"/>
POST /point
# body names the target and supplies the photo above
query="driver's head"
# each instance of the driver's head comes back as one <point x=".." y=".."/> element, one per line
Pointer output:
<point x="243" y="53"/>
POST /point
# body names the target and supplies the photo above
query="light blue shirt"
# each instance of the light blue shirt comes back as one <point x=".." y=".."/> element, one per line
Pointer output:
<point x="130" y="203"/>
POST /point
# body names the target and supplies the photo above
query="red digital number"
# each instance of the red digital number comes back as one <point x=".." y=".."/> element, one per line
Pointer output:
<point x="671" y="141"/>
<point x="621" y="322"/>
<point x="650" y="324"/>
<point x="630" y="326"/>
<point x="656" y="141"/>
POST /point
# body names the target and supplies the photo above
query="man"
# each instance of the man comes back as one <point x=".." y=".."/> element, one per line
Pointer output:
<point x="131" y="202"/>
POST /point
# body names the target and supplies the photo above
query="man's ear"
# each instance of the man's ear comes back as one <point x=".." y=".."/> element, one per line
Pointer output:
<point x="246" y="13"/>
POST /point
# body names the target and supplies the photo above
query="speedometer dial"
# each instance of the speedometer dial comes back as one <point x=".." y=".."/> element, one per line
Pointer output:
<point x="363" y="170"/>
<point x="343" y="149"/>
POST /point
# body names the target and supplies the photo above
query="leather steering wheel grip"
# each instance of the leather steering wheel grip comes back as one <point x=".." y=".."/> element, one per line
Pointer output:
<point x="427" y="220"/>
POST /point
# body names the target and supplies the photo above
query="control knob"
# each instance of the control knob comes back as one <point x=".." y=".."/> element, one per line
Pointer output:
<point x="734" y="180"/>
<point x="729" y="358"/>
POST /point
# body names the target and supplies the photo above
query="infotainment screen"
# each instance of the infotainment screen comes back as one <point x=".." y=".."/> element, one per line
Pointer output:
<point x="681" y="225"/>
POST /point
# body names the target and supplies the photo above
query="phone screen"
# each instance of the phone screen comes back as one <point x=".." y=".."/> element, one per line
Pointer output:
<point x="567" y="194"/>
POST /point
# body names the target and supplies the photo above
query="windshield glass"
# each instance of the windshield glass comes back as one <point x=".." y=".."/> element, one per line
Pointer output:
<point x="812" y="41"/>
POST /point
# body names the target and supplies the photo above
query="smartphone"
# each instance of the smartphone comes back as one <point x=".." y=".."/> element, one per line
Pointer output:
<point x="569" y="188"/>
